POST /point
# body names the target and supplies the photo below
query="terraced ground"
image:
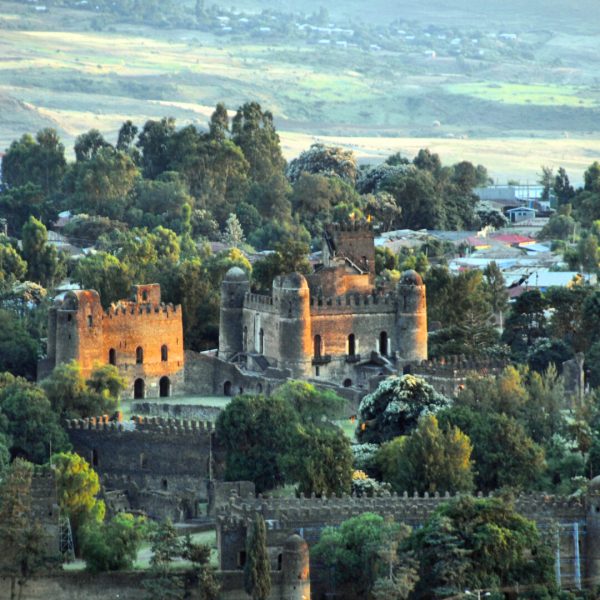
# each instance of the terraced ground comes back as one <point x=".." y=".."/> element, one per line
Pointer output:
<point x="512" y="115"/>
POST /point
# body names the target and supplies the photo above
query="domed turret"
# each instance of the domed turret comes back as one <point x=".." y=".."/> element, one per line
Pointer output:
<point x="293" y="301"/>
<point x="233" y="290"/>
<point x="411" y="277"/>
<point x="296" y="569"/>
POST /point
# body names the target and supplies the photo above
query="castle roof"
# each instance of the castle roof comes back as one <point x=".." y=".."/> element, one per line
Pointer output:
<point x="411" y="277"/>
<point x="236" y="274"/>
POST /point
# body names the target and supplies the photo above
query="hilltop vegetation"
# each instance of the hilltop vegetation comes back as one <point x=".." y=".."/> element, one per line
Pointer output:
<point x="403" y="71"/>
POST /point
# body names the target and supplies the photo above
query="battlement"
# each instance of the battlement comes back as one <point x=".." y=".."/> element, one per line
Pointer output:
<point x="375" y="303"/>
<point x="413" y="509"/>
<point x="455" y="366"/>
<point x="260" y="302"/>
<point x="142" y="425"/>
<point x="350" y="226"/>
<point x="129" y="309"/>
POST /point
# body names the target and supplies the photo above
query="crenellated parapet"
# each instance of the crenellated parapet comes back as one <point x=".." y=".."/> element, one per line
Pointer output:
<point x="141" y="425"/>
<point x="355" y="303"/>
<point x="133" y="309"/>
<point x="412" y="509"/>
<point x="455" y="366"/>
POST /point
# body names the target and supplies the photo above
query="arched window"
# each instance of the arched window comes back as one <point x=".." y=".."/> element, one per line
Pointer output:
<point x="318" y="346"/>
<point x="347" y="382"/>
<point x="139" y="355"/>
<point x="164" y="387"/>
<point x="245" y="340"/>
<point x="143" y="461"/>
<point x="164" y="353"/>
<point x="144" y="295"/>
<point x="351" y="345"/>
<point x="94" y="457"/>
<point x="261" y="342"/>
<point x="112" y="357"/>
<point x="227" y="388"/>
<point x="383" y="343"/>
<point x="90" y="320"/>
<point x="139" y="389"/>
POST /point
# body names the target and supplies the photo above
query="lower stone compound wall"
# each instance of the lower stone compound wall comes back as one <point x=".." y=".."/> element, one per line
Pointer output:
<point x="78" y="586"/>
<point x="160" y="465"/>
<point x="563" y="518"/>
<point x="194" y="412"/>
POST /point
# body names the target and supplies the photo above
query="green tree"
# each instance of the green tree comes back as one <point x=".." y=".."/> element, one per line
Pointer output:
<point x="18" y="349"/>
<point x="29" y="421"/>
<point x="112" y="546"/>
<point x="42" y="259"/>
<point x="562" y="187"/>
<point x="233" y="234"/>
<point x="104" y="273"/>
<point x="483" y="544"/>
<point x="319" y="461"/>
<point x="12" y="266"/>
<point x="22" y="538"/>
<point x="40" y="161"/>
<point x="153" y="141"/>
<point x="72" y="397"/>
<point x="87" y="145"/>
<point x="324" y="160"/>
<point x="252" y="129"/>
<point x="395" y="407"/>
<point x="257" y="570"/>
<point x="77" y="487"/>
<point x="429" y="460"/>
<point x="252" y="453"/>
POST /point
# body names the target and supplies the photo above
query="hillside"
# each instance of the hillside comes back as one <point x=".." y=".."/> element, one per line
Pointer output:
<point x="455" y="70"/>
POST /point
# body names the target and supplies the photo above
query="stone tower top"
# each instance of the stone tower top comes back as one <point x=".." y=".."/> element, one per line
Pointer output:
<point x="147" y="294"/>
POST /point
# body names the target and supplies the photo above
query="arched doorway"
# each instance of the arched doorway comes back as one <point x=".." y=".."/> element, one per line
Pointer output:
<point x="112" y="357"/>
<point x="139" y="389"/>
<point x="383" y="343"/>
<point x="227" y="388"/>
<point x="164" y="387"/>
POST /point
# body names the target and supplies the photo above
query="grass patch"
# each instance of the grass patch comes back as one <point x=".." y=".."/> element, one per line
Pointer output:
<point x="516" y="93"/>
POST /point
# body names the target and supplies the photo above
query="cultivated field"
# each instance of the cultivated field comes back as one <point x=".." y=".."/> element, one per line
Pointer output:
<point x="540" y="105"/>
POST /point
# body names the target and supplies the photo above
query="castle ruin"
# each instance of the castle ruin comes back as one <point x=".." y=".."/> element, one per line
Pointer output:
<point x="142" y="337"/>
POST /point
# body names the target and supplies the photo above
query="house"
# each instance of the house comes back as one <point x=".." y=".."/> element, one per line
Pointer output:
<point x="521" y="213"/>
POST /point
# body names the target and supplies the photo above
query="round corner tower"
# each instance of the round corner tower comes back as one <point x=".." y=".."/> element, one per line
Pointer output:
<point x="233" y="291"/>
<point x="295" y="566"/>
<point x="411" y="317"/>
<point x="293" y="300"/>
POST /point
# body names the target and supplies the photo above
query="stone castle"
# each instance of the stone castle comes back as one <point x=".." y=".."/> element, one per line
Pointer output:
<point x="141" y="336"/>
<point x="333" y="327"/>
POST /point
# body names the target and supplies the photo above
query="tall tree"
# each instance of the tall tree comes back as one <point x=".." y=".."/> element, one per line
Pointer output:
<point x="42" y="258"/>
<point x="257" y="570"/>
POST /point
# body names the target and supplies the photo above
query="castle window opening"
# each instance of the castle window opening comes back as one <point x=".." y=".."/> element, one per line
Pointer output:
<point x="69" y="317"/>
<point x="94" y="457"/>
<point x="245" y="341"/>
<point x="241" y="561"/>
<point x="139" y="355"/>
<point x="318" y="350"/>
<point x="165" y="484"/>
<point x="143" y="461"/>
<point x="112" y="357"/>
<point x="405" y="302"/>
<point x="145" y="296"/>
<point x="227" y="388"/>
<point x="279" y="561"/>
<point x="351" y="345"/>
<point x="164" y="353"/>
<point x="347" y="382"/>
<point x="164" y="387"/>
<point x="139" y="389"/>
<point x="383" y="343"/>
<point x="90" y="320"/>
<point x="317" y="371"/>
<point x="261" y="342"/>
<point x="259" y="388"/>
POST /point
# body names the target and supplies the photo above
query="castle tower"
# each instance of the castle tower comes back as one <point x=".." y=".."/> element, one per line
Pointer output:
<point x="411" y="318"/>
<point x="295" y="343"/>
<point x="593" y="533"/>
<point x="233" y="290"/>
<point x="296" y="569"/>
<point x="78" y="330"/>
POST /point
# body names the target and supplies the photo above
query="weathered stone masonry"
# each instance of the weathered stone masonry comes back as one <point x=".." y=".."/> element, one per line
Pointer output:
<point x="142" y="337"/>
